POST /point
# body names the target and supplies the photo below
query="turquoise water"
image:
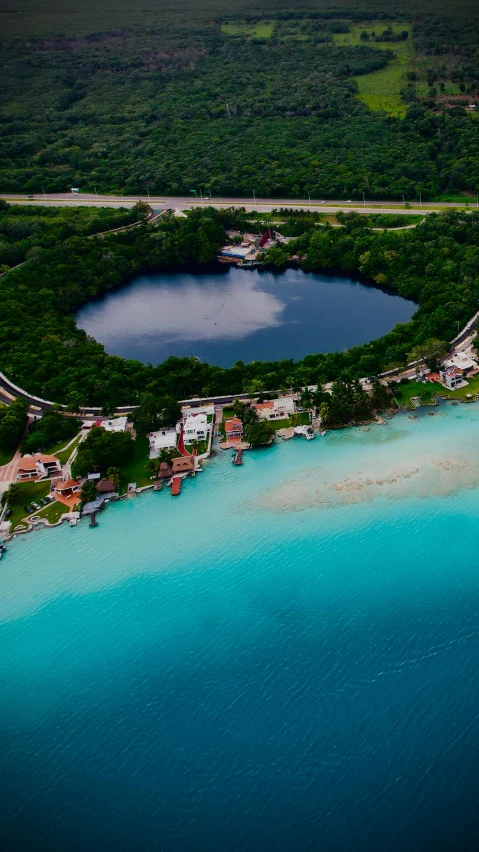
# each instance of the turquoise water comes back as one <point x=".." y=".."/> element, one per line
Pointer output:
<point x="284" y="657"/>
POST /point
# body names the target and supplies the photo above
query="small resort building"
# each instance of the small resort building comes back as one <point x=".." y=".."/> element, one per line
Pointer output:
<point x="68" y="488"/>
<point x="106" y="487"/>
<point x="184" y="464"/>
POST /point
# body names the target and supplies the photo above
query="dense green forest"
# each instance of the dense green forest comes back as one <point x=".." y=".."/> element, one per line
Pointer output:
<point x="436" y="264"/>
<point x="24" y="232"/>
<point x="235" y="102"/>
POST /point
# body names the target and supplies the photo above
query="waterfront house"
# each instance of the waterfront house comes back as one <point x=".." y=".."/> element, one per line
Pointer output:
<point x="184" y="464"/>
<point x="275" y="409"/>
<point x="164" y="439"/>
<point x="233" y="429"/>
<point x="452" y="377"/>
<point x="196" y="428"/>
<point x="38" y="466"/>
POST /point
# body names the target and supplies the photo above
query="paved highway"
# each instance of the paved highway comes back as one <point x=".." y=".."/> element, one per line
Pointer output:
<point x="263" y="205"/>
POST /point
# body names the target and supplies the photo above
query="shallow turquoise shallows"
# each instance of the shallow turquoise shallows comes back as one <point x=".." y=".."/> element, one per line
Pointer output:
<point x="283" y="657"/>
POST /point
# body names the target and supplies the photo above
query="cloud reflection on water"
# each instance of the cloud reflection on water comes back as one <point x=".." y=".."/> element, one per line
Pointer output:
<point x="206" y="311"/>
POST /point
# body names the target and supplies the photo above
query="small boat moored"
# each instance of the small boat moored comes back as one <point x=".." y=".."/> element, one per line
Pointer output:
<point x="3" y="549"/>
<point x="238" y="457"/>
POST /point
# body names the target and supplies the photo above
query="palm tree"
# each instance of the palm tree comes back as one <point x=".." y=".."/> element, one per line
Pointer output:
<point x="152" y="466"/>
<point x="11" y="494"/>
<point x="113" y="474"/>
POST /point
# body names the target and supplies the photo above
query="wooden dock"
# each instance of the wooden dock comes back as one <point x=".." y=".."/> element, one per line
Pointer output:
<point x="175" y="485"/>
<point x="238" y="457"/>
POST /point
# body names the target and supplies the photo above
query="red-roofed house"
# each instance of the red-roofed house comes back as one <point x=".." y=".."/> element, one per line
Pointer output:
<point x="233" y="429"/>
<point x="38" y="466"/>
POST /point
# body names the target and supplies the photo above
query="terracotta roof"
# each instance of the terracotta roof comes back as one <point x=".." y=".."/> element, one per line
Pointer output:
<point x="65" y="486"/>
<point x="105" y="486"/>
<point x="180" y="465"/>
<point x="234" y="424"/>
<point x="30" y="462"/>
<point x="263" y="405"/>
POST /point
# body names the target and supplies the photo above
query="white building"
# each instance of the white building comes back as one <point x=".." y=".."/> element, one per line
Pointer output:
<point x="117" y="424"/>
<point x="452" y="377"/>
<point x="275" y="409"/>
<point x="196" y="428"/>
<point x="163" y="439"/>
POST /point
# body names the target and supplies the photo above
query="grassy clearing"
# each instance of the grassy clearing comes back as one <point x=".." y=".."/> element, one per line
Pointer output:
<point x="29" y="491"/>
<point x="6" y="456"/>
<point x="135" y="471"/>
<point x="243" y="28"/>
<point x="53" y="512"/>
<point x="380" y="90"/>
<point x="403" y="393"/>
<point x="60" y="453"/>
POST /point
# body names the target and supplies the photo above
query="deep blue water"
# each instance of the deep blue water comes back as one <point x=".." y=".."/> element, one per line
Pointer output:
<point x="284" y="657"/>
<point x="233" y="314"/>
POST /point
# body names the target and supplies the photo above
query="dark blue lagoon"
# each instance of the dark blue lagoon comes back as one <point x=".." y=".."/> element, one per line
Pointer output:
<point x="229" y="315"/>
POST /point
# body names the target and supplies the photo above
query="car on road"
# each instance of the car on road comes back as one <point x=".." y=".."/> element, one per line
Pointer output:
<point x="349" y="201"/>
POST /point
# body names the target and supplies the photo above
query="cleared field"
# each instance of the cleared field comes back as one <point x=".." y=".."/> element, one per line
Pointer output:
<point x="380" y="90"/>
<point x="243" y="28"/>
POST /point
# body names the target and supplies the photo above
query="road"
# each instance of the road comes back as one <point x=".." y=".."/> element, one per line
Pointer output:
<point x="261" y="205"/>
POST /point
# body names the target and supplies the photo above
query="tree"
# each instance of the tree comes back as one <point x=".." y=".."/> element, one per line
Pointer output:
<point x="380" y="397"/>
<point x="155" y="413"/>
<point x="113" y="474"/>
<point x="52" y="428"/>
<point x="431" y="352"/>
<point x="152" y="466"/>
<point x="238" y="408"/>
<point x="142" y="211"/>
<point x="324" y="413"/>
<point x="11" y="494"/>
<point x="12" y="424"/>
<point x="88" y="491"/>
<point x="102" y="450"/>
<point x="260" y="433"/>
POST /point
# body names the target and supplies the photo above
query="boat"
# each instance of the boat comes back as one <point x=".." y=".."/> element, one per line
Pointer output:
<point x="323" y="432"/>
<point x="3" y="549"/>
<point x="238" y="457"/>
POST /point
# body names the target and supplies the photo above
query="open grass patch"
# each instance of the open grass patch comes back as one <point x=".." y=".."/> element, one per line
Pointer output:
<point x="380" y="90"/>
<point x="53" y="512"/>
<point x="263" y="29"/>
<point x="135" y="471"/>
<point x="63" y="450"/>
<point x="6" y="456"/>
<point x="29" y="492"/>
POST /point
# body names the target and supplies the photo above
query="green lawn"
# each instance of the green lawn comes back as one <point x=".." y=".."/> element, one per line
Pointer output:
<point x="53" y="512"/>
<point x="380" y="90"/>
<point x="243" y="28"/>
<point x="58" y="449"/>
<point x="64" y="455"/>
<point x="28" y="491"/>
<point x="6" y="456"/>
<point x="135" y="471"/>
<point x="403" y="393"/>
